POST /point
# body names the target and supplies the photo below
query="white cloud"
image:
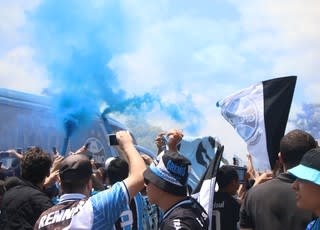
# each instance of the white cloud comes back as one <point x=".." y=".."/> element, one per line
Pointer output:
<point x="284" y="34"/>
<point x="219" y="58"/>
<point x="312" y="92"/>
<point x="141" y="69"/>
<point x="194" y="49"/>
<point x="299" y="62"/>
<point x="13" y="22"/>
<point x="19" y="71"/>
<point x="174" y="44"/>
<point x="158" y="117"/>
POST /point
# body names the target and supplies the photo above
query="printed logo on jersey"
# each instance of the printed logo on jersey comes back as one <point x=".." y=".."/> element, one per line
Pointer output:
<point x="60" y="215"/>
<point x="177" y="224"/>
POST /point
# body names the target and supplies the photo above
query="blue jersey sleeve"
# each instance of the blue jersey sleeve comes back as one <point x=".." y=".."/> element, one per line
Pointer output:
<point x="108" y="205"/>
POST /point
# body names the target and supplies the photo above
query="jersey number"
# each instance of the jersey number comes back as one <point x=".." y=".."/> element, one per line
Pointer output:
<point x="126" y="218"/>
<point x="216" y="220"/>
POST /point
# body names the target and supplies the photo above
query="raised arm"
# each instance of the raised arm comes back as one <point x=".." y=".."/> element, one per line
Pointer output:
<point x="14" y="153"/>
<point x="134" y="182"/>
<point x="173" y="138"/>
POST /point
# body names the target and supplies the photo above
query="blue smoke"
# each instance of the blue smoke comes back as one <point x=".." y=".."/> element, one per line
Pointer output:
<point x="75" y="41"/>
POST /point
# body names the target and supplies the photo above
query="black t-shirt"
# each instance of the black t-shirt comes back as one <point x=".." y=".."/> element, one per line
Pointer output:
<point x="186" y="214"/>
<point x="272" y="205"/>
<point x="225" y="215"/>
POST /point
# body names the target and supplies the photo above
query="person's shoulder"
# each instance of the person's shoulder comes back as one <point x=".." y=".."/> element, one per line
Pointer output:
<point x="184" y="219"/>
<point x="47" y="211"/>
<point x="138" y="196"/>
<point x="25" y="189"/>
<point x="196" y="205"/>
<point x="12" y="182"/>
<point x="285" y="178"/>
<point x="234" y="202"/>
<point x="38" y="198"/>
<point x="260" y="189"/>
<point x="36" y="193"/>
<point x="280" y="183"/>
<point x="223" y="196"/>
<point x="115" y="190"/>
<point x="228" y="203"/>
<point x="219" y="194"/>
<point x="116" y="196"/>
<point x="186" y="208"/>
<point x="190" y="211"/>
<point x="139" y="200"/>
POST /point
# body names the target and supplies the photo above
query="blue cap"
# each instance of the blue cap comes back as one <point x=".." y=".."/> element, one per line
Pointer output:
<point x="309" y="167"/>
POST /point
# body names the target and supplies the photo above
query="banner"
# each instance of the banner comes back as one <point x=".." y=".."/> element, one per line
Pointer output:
<point x="259" y="114"/>
<point x="204" y="192"/>
<point x="200" y="151"/>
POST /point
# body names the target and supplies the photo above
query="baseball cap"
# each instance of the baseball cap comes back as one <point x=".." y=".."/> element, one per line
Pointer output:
<point x="309" y="167"/>
<point x="75" y="167"/>
<point x="170" y="174"/>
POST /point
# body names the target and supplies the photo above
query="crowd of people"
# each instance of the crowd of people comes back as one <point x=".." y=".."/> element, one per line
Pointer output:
<point x="135" y="191"/>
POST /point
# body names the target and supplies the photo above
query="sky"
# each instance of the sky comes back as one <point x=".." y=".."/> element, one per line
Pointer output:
<point x="167" y="61"/>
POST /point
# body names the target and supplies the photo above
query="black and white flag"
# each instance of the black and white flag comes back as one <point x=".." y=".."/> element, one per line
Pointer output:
<point x="200" y="151"/>
<point x="204" y="192"/>
<point x="259" y="114"/>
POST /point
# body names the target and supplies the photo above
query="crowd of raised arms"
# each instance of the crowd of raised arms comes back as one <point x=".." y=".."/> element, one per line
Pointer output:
<point x="134" y="191"/>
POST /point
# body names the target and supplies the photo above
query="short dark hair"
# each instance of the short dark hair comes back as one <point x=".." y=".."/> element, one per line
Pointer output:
<point x="226" y="174"/>
<point x="294" y="145"/>
<point x="75" y="186"/>
<point x="117" y="170"/>
<point x="35" y="165"/>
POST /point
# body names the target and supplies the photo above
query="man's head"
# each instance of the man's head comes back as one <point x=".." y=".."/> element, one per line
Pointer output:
<point x="116" y="170"/>
<point x="307" y="185"/>
<point x="169" y="175"/>
<point x="75" y="173"/>
<point x="35" y="165"/>
<point x="294" y="145"/>
<point x="228" y="179"/>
